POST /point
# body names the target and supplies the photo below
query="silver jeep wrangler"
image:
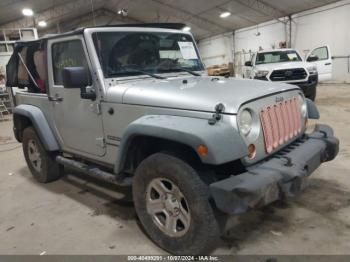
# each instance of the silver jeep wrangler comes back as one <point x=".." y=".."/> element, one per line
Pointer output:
<point x="132" y="105"/>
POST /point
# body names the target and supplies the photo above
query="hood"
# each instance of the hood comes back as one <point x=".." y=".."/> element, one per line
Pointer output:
<point x="198" y="94"/>
<point x="284" y="65"/>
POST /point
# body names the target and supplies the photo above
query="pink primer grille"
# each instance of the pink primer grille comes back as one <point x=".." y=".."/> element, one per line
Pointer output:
<point x="280" y="122"/>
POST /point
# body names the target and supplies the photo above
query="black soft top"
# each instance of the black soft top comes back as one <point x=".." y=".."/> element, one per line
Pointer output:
<point x="27" y="66"/>
<point x="78" y="31"/>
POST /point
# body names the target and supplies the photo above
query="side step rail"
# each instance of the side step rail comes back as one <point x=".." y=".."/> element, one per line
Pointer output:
<point x="94" y="171"/>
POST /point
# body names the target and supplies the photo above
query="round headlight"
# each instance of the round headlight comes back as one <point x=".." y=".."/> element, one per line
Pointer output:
<point x="261" y="73"/>
<point x="303" y="106"/>
<point x="245" y="121"/>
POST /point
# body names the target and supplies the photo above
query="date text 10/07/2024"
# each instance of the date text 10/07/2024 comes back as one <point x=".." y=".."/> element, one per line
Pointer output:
<point x="173" y="258"/>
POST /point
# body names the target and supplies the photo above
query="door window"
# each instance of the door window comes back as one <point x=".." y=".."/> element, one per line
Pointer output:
<point x="67" y="54"/>
<point x="321" y="53"/>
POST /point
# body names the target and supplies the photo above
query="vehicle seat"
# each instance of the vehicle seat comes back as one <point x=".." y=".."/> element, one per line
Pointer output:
<point x="39" y="62"/>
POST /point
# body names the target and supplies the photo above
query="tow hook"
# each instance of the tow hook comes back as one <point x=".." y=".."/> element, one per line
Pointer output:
<point x="219" y="109"/>
<point x="324" y="133"/>
<point x="289" y="161"/>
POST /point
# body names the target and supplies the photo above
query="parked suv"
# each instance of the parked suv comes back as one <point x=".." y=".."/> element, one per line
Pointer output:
<point x="132" y="105"/>
<point x="287" y="66"/>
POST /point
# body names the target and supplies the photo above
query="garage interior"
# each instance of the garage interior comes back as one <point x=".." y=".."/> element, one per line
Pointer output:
<point x="80" y="215"/>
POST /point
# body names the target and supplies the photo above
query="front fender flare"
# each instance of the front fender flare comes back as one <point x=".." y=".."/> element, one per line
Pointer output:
<point x="222" y="140"/>
<point x="40" y="125"/>
<point x="312" y="109"/>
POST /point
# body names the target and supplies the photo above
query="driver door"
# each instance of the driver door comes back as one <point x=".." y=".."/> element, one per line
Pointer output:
<point x="323" y="63"/>
<point x="77" y="121"/>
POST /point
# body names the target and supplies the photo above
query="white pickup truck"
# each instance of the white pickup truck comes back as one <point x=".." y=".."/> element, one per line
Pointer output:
<point x="287" y="66"/>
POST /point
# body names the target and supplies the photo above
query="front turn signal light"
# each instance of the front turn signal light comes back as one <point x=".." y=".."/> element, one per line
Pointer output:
<point x="251" y="151"/>
<point x="202" y="150"/>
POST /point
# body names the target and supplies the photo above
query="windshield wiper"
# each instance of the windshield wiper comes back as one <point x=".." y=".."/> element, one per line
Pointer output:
<point x="132" y="70"/>
<point x="188" y="71"/>
<point x="145" y="72"/>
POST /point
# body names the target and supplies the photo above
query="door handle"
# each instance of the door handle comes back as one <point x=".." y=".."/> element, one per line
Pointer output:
<point x="55" y="98"/>
<point x="327" y="63"/>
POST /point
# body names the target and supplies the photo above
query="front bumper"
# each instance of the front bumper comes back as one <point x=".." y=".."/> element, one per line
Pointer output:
<point x="282" y="175"/>
<point x="308" y="86"/>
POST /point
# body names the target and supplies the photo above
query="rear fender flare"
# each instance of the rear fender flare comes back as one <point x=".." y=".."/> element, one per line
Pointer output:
<point x="40" y="124"/>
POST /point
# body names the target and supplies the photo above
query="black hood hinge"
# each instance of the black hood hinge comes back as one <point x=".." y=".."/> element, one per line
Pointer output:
<point x="219" y="109"/>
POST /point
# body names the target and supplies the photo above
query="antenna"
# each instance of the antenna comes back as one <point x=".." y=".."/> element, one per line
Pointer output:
<point x="93" y="12"/>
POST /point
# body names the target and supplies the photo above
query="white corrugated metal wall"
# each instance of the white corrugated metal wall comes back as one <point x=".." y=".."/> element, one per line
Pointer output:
<point x="325" y="25"/>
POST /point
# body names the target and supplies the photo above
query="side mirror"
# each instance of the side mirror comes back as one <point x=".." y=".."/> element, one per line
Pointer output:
<point x="75" y="77"/>
<point x="78" y="77"/>
<point x="312" y="58"/>
<point x="248" y="63"/>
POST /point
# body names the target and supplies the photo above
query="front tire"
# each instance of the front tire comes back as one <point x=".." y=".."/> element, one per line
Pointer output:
<point x="172" y="204"/>
<point x="41" y="163"/>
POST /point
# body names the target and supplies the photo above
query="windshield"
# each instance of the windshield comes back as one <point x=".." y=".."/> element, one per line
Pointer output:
<point x="139" y="53"/>
<point x="277" y="57"/>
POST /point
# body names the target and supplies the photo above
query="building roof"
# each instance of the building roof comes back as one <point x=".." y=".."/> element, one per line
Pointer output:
<point x="202" y="16"/>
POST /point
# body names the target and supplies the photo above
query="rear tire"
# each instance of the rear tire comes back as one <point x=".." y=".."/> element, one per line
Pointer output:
<point x="41" y="163"/>
<point x="181" y="202"/>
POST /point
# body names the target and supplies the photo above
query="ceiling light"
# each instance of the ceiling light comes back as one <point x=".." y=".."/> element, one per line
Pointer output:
<point x="42" y="23"/>
<point x="123" y="12"/>
<point x="225" y="14"/>
<point x="27" y="12"/>
<point x="186" y="29"/>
